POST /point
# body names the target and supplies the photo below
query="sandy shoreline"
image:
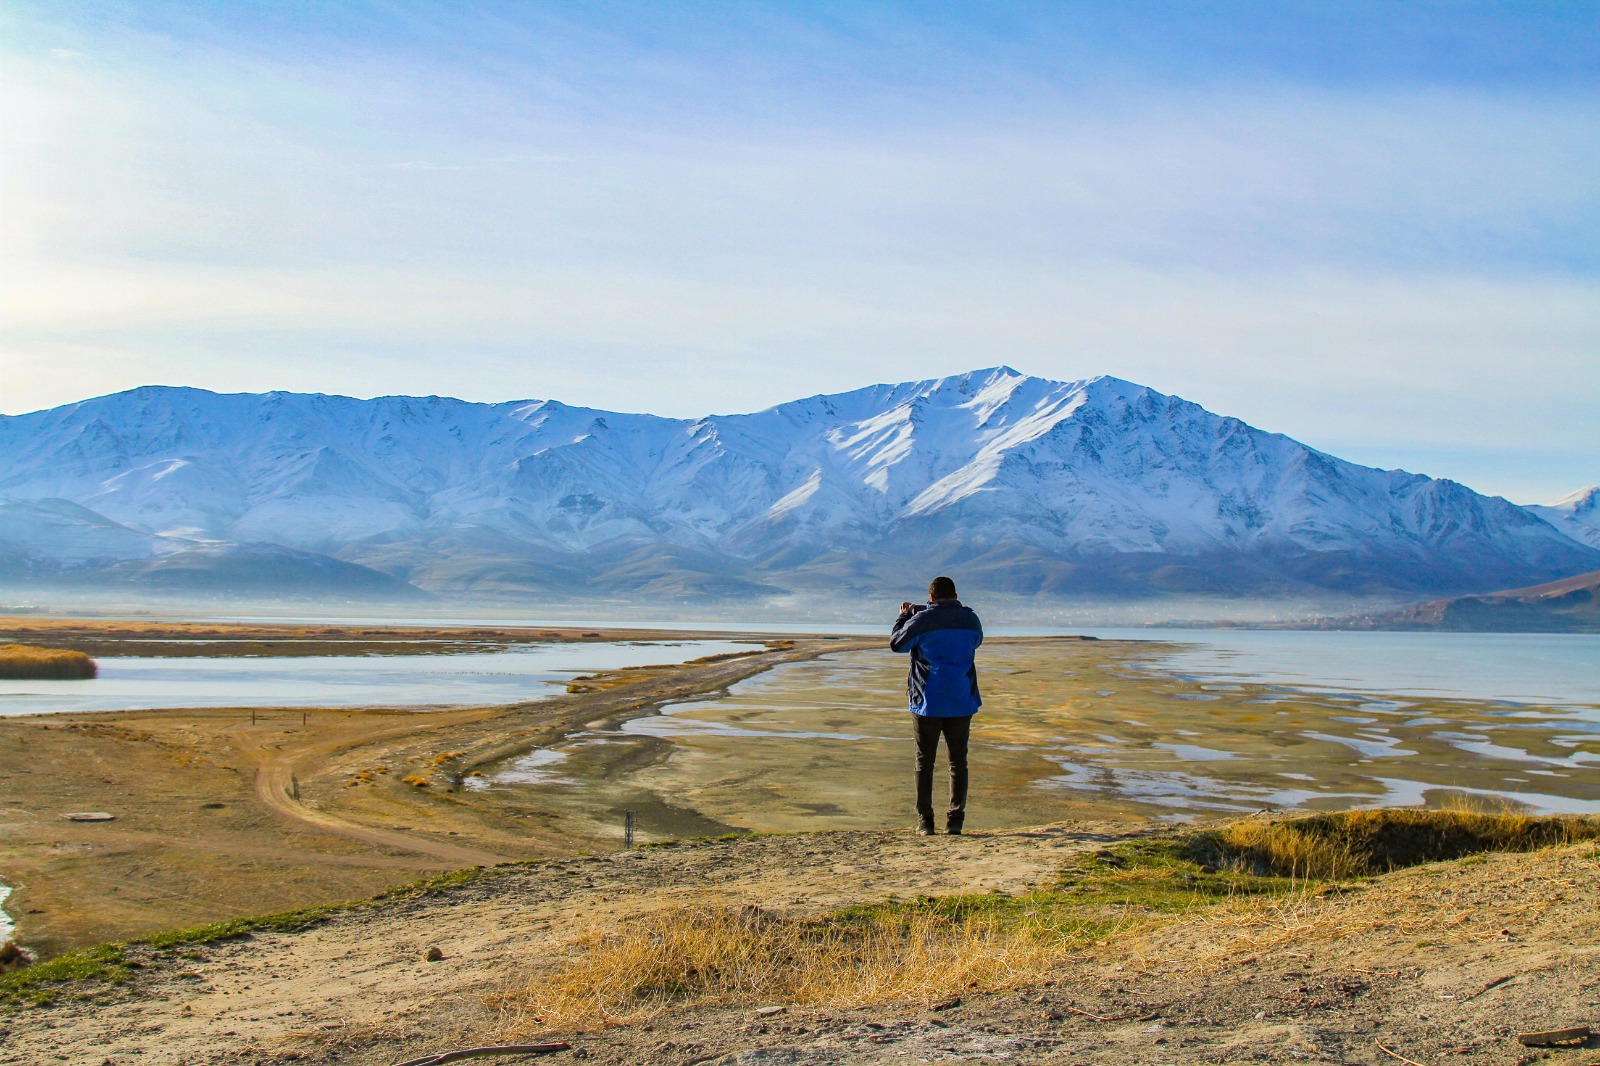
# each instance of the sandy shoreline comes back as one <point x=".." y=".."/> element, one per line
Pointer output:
<point x="218" y="817"/>
<point x="226" y="811"/>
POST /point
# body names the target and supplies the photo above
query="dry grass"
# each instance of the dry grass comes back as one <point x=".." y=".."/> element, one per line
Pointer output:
<point x="1247" y="886"/>
<point x="732" y="956"/>
<point x="1365" y="842"/>
<point x="1416" y="908"/>
<point x="29" y="662"/>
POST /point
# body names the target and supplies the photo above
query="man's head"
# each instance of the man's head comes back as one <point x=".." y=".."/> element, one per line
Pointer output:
<point x="941" y="588"/>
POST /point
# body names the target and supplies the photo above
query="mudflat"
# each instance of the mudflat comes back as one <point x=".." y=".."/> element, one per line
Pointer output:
<point x="156" y="637"/>
<point x="221" y="812"/>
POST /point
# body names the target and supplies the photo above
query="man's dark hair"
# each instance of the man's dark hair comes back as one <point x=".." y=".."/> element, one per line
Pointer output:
<point x="941" y="588"/>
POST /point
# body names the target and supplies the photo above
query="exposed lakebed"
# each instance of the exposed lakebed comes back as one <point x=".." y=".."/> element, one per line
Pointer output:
<point x="1074" y="728"/>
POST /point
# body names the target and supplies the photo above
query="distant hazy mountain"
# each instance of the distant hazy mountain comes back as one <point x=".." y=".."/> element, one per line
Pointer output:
<point x="1005" y="481"/>
<point x="1577" y="515"/>
<point x="1571" y="605"/>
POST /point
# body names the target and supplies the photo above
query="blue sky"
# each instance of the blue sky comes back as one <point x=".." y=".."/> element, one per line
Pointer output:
<point x="1374" y="227"/>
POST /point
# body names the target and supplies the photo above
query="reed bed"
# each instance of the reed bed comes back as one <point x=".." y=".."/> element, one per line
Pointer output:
<point x="30" y="662"/>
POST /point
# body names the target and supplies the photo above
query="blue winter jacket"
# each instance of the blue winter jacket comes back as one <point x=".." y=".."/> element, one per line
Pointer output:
<point x="941" y="638"/>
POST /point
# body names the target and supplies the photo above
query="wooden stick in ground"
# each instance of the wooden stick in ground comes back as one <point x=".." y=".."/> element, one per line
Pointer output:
<point x="1396" y="1054"/>
<point x="1098" y="1018"/>
<point x="495" y="1049"/>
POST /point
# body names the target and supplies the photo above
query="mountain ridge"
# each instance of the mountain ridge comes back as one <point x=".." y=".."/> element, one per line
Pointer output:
<point x="1576" y="514"/>
<point x="1098" y="486"/>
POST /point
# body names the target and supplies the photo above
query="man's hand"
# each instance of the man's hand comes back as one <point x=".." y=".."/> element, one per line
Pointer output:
<point x="907" y="607"/>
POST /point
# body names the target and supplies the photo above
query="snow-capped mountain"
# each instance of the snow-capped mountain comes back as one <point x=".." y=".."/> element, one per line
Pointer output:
<point x="1006" y="481"/>
<point x="1577" y="515"/>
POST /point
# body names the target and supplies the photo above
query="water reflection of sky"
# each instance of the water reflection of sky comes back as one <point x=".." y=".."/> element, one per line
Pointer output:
<point x="463" y="679"/>
<point x="1552" y="669"/>
<point x="1240" y="747"/>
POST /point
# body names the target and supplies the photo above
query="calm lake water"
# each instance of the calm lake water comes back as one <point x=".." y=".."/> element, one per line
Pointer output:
<point x="459" y="679"/>
<point x="1520" y="667"/>
<point x="1559" y="669"/>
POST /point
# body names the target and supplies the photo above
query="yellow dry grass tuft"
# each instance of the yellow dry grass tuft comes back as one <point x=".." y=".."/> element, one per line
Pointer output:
<point x="29" y="662"/>
<point x="1122" y="901"/>
<point x="730" y="956"/>
<point x="1360" y="843"/>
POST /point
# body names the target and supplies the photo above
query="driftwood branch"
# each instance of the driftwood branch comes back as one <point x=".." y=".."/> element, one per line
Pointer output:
<point x="496" y="1049"/>
<point x="1098" y="1018"/>
<point x="1396" y="1054"/>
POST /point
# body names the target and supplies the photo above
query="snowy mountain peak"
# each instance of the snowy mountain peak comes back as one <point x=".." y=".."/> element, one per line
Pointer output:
<point x="1577" y="515"/>
<point x="1586" y="499"/>
<point x="1021" y="482"/>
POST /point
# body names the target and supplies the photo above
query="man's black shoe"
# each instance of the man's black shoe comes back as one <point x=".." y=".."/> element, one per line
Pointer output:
<point x="953" y="830"/>
<point x="925" y="829"/>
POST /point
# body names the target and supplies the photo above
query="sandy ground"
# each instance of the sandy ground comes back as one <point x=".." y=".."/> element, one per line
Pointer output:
<point x="227" y="812"/>
<point x="1444" y="963"/>
<point x="219" y="816"/>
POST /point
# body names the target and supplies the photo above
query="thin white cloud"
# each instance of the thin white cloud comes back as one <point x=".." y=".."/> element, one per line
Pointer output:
<point x="1355" y="268"/>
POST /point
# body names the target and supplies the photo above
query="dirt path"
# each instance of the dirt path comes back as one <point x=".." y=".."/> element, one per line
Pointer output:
<point x="278" y="789"/>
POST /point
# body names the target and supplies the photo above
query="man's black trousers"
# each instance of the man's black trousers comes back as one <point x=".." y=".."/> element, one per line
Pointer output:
<point x="955" y="732"/>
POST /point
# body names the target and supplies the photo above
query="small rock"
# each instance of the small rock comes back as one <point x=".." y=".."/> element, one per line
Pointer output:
<point x="767" y="1012"/>
<point x="433" y="954"/>
<point x="945" y="1004"/>
<point x="89" y="816"/>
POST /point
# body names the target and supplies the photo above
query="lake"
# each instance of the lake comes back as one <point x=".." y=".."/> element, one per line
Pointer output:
<point x="1520" y="667"/>
<point x="461" y="679"/>
<point x="1556" y="669"/>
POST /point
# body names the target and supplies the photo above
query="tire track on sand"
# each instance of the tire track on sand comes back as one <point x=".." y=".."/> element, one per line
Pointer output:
<point x="275" y="784"/>
<point x="276" y="789"/>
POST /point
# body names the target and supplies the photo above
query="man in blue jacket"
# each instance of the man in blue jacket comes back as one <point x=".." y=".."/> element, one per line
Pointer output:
<point x="942" y="690"/>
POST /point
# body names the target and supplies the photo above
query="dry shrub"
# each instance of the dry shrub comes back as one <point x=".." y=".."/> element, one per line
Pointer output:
<point x="1364" y="842"/>
<point x="1439" y="906"/>
<point x="28" y="662"/>
<point x="1114" y="903"/>
<point x="727" y="956"/>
